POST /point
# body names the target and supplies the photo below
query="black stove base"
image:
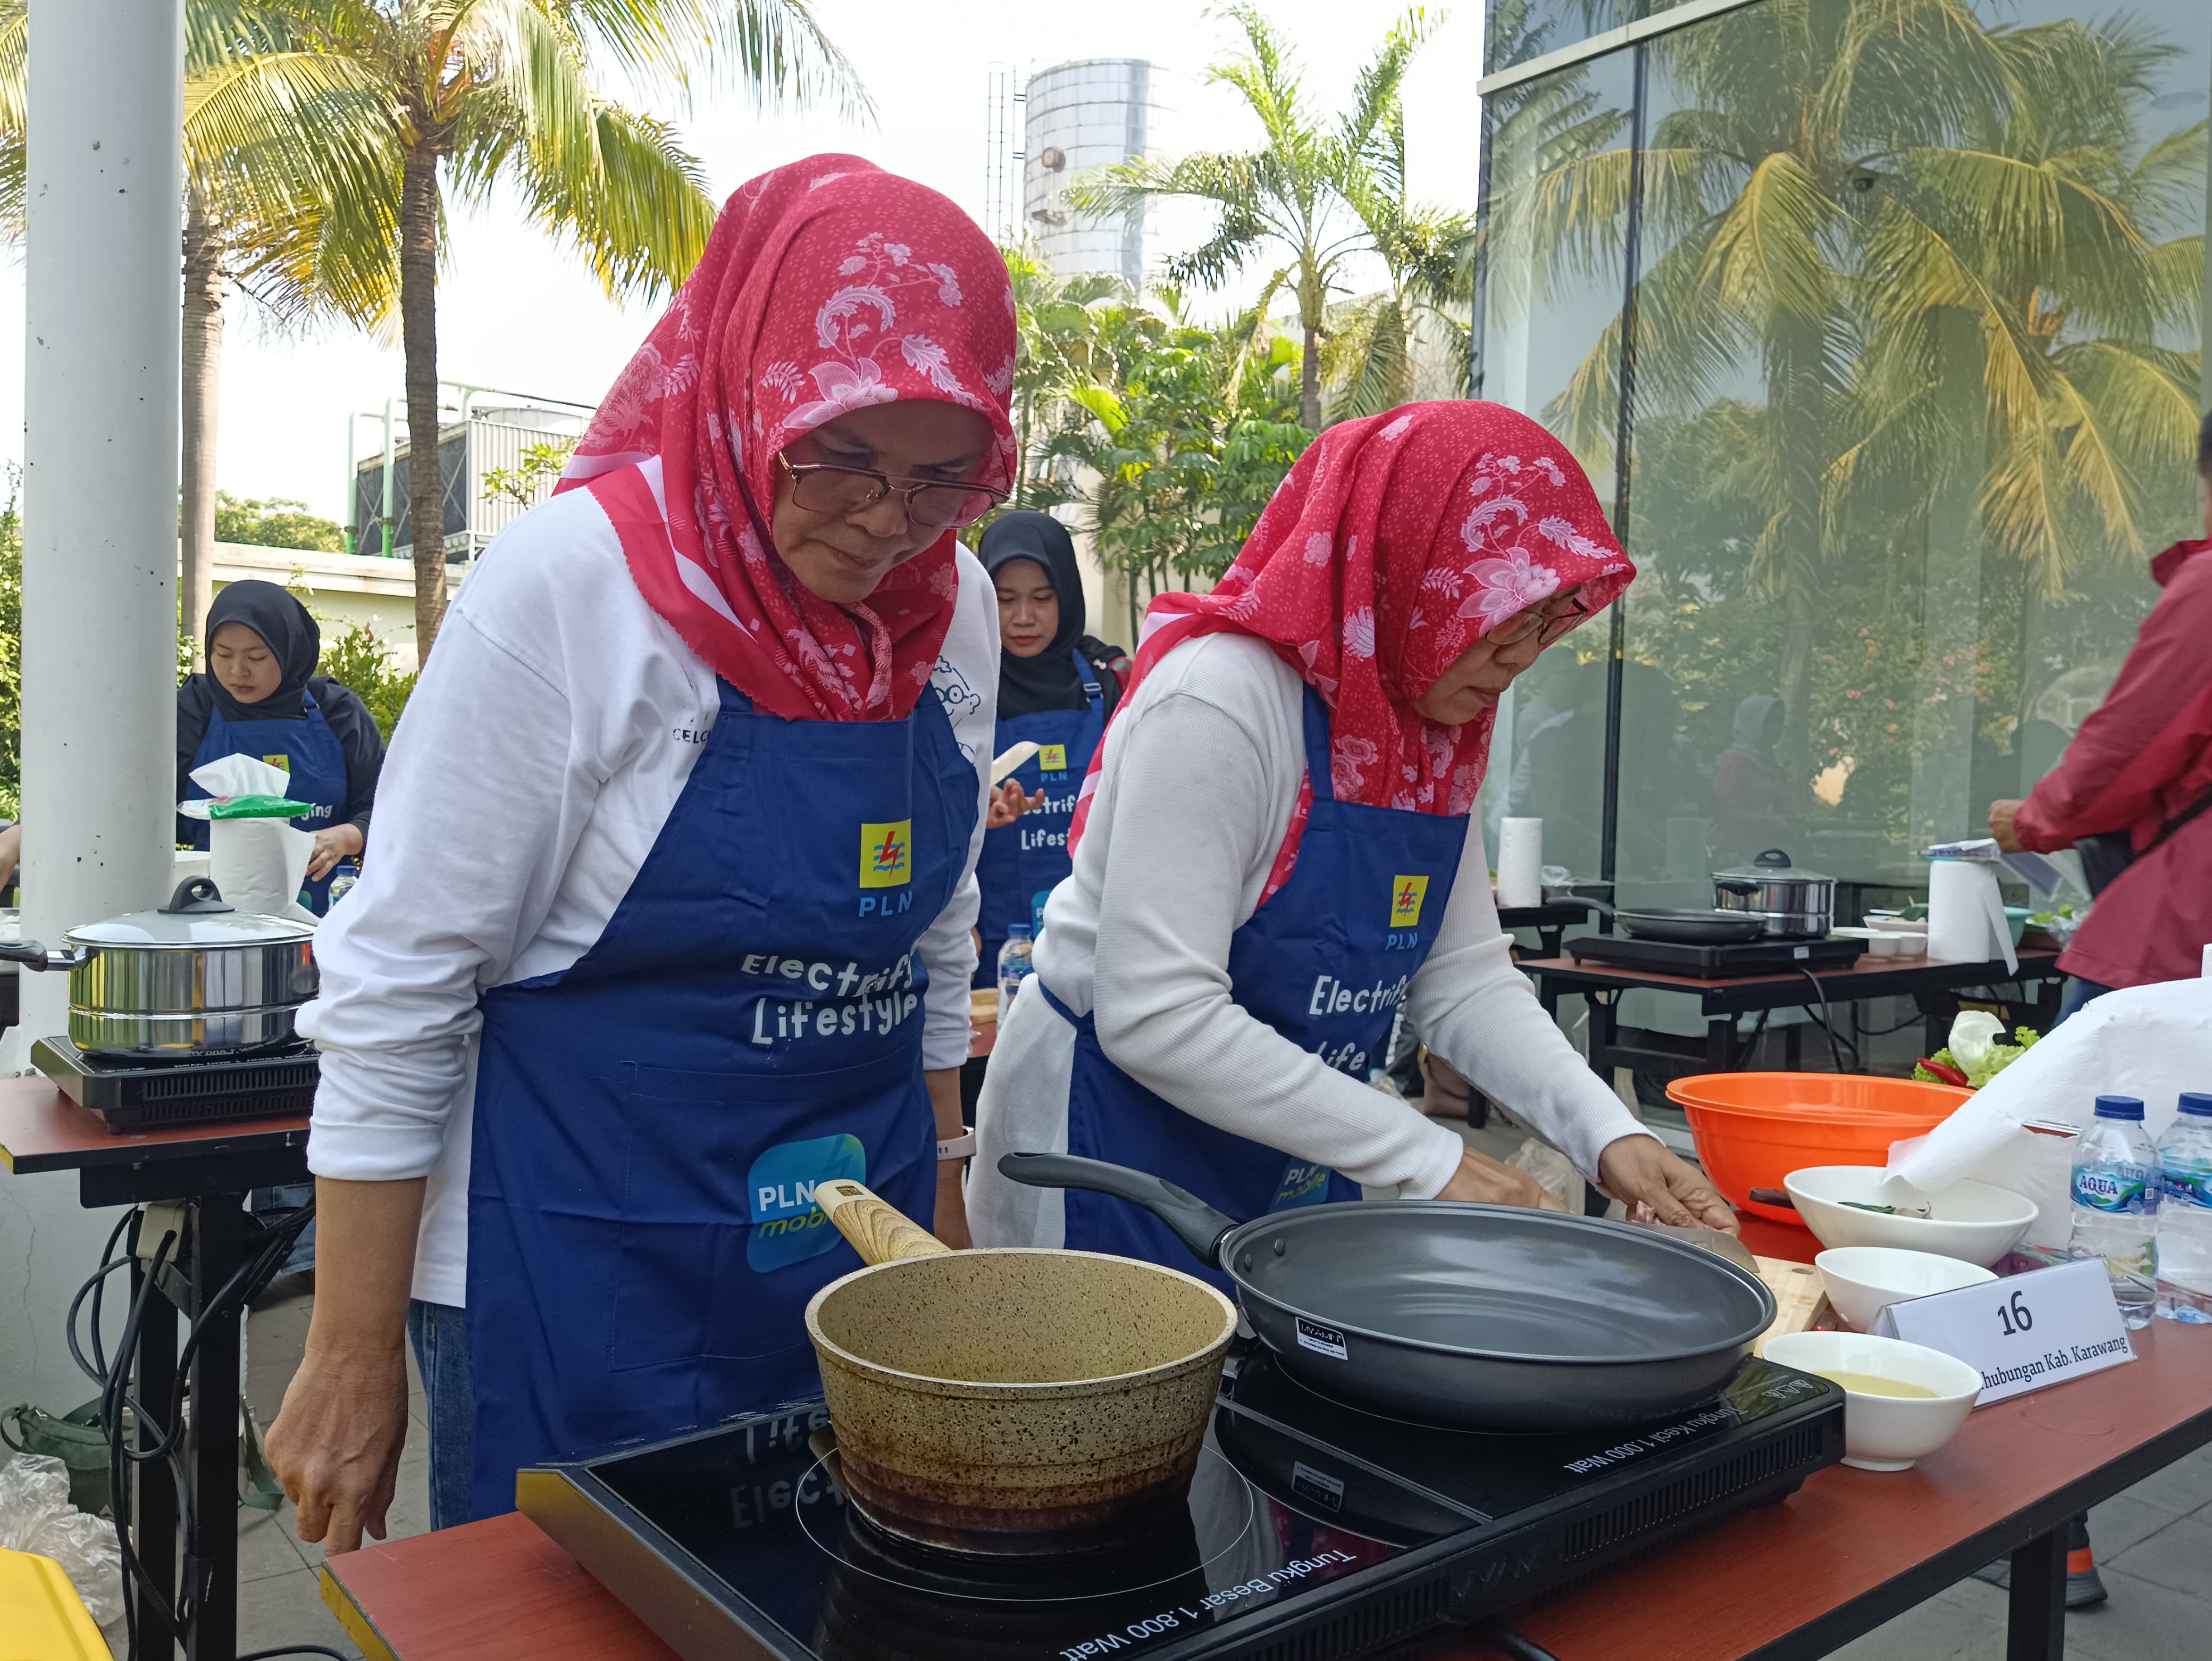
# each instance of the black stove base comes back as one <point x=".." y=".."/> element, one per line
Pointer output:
<point x="1716" y="962"/>
<point x="1314" y="1531"/>
<point x="133" y="1096"/>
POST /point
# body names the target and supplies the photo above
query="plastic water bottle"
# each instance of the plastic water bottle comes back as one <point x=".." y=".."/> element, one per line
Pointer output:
<point x="343" y="879"/>
<point x="1016" y="964"/>
<point x="2115" y="1188"/>
<point x="2185" y="1213"/>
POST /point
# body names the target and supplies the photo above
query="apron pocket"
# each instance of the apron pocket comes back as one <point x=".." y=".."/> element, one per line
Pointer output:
<point x="721" y="1244"/>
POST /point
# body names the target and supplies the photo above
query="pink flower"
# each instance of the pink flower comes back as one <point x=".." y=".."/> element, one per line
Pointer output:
<point x="1507" y="587"/>
<point x="843" y="387"/>
<point x="1853" y="693"/>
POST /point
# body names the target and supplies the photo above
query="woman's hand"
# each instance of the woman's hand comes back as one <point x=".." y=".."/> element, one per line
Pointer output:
<point x="340" y="842"/>
<point x="1008" y="803"/>
<point x="336" y="1444"/>
<point x="1642" y="1170"/>
<point x="12" y="852"/>
<point x="2001" y="814"/>
<point x="1484" y="1181"/>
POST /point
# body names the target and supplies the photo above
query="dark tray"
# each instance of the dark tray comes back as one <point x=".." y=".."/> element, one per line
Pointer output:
<point x="1716" y="962"/>
<point x="134" y="1096"/>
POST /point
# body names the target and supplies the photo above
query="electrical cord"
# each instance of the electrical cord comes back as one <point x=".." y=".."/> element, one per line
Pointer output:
<point x="1503" y="1639"/>
<point x="293" y="1649"/>
<point x="119" y="1406"/>
<point x="1826" y="1018"/>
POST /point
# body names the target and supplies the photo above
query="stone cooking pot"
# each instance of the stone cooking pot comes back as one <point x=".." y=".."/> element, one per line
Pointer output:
<point x="1011" y="1400"/>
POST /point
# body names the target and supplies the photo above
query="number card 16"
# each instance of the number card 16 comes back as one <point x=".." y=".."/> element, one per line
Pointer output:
<point x="2021" y="1333"/>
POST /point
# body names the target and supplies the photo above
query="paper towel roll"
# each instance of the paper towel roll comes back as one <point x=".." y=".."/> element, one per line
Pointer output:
<point x="1520" y="862"/>
<point x="258" y="865"/>
<point x="1962" y="899"/>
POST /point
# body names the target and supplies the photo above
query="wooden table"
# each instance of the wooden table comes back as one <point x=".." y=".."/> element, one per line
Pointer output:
<point x="1785" y="1583"/>
<point x="207" y="1168"/>
<point x="1722" y="1003"/>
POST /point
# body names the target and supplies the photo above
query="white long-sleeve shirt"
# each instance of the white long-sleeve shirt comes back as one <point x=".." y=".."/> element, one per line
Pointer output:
<point x="1200" y="775"/>
<point x="554" y="726"/>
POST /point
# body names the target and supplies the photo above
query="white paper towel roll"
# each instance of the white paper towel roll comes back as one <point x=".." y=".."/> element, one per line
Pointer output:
<point x="1966" y="914"/>
<point x="1520" y="862"/>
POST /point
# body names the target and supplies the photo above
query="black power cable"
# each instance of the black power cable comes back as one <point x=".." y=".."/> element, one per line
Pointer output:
<point x="117" y="1405"/>
<point x="1826" y="1018"/>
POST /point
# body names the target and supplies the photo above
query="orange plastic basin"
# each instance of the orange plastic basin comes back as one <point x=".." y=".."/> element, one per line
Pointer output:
<point x="1754" y="1128"/>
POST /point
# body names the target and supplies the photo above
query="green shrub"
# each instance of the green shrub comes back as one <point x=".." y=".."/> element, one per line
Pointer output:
<point x="358" y="660"/>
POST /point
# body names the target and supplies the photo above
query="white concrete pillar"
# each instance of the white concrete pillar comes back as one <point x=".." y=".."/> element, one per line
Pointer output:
<point x="102" y="303"/>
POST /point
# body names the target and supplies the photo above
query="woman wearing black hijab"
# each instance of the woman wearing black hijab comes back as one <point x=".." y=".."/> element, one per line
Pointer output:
<point x="1056" y="687"/>
<point x="260" y="697"/>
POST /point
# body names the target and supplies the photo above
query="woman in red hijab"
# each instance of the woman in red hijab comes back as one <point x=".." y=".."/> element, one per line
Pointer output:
<point x="667" y="915"/>
<point x="1275" y="859"/>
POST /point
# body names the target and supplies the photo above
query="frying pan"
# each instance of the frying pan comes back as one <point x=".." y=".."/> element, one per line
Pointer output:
<point x="1492" y="1317"/>
<point x="1012" y="1402"/>
<point x="1683" y="927"/>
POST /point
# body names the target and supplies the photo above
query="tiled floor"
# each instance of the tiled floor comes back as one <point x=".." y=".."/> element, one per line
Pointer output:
<point x="2154" y="1543"/>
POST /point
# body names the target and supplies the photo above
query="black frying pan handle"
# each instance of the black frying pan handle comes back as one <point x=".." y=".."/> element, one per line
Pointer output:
<point x="1195" y="1223"/>
<point x="1584" y="901"/>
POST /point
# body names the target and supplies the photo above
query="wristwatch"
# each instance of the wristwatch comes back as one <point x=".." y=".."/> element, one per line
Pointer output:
<point x="955" y="1147"/>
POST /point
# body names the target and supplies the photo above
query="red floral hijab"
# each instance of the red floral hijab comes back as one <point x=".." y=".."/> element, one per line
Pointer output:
<point x="826" y="286"/>
<point x="1396" y="542"/>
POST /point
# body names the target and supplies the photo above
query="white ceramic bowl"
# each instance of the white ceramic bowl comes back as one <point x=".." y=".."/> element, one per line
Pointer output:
<point x="1886" y="1432"/>
<point x="1974" y="1222"/>
<point x="1862" y="1281"/>
<point x="1910" y="943"/>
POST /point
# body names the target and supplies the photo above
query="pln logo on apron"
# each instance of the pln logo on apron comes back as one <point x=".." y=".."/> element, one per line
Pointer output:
<point x="886" y="861"/>
<point x="788" y="1227"/>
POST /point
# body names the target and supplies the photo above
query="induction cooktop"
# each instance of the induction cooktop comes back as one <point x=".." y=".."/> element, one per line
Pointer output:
<point x="1315" y="1530"/>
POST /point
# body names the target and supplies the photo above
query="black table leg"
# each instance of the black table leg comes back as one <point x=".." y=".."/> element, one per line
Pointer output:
<point x="2036" y="1622"/>
<point x="1720" y="1045"/>
<point x="151" y="1498"/>
<point x="212" y="1566"/>
<point x="1552" y="940"/>
<point x="1604" y="1032"/>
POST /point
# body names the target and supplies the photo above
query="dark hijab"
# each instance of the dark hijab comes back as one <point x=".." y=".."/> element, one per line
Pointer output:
<point x="1050" y="679"/>
<point x="288" y="632"/>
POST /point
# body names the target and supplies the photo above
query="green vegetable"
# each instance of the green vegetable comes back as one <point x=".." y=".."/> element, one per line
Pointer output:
<point x="2001" y="1056"/>
<point x="1855" y="1205"/>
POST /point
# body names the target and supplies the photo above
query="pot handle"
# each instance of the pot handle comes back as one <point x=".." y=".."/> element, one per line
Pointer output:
<point x="1585" y="901"/>
<point x="1195" y="1223"/>
<point x="1774" y="859"/>
<point x="31" y="955"/>
<point x="878" y="1230"/>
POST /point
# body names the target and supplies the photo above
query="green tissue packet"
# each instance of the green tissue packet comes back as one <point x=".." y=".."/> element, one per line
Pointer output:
<point x="258" y="807"/>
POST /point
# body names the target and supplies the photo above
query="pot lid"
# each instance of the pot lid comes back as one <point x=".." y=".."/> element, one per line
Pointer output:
<point x="1772" y="865"/>
<point x="195" y="915"/>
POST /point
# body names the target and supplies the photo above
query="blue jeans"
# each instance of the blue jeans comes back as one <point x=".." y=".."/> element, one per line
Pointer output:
<point x="439" y="1334"/>
<point x="2078" y="993"/>
<point x="275" y="1202"/>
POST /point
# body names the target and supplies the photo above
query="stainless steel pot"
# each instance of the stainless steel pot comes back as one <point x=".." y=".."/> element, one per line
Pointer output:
<point x="194" y="978"/>
<point x="1794" y="904"/>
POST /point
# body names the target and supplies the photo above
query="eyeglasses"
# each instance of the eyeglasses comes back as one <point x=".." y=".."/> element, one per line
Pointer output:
<point x="827" y="487"/>
<point x="1546" y="628"/>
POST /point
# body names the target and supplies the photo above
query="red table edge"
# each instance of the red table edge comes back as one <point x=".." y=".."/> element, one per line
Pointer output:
<point x="42" y="1130"/>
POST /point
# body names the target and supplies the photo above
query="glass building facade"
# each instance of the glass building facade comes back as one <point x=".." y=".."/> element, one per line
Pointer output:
<point x="1878" y="324"/>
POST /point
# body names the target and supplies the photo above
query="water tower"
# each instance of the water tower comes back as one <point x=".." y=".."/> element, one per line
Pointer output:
<point x="1079" y="116"/>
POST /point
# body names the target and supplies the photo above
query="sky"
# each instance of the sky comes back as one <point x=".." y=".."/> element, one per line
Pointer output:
<point x="518" y="313"/>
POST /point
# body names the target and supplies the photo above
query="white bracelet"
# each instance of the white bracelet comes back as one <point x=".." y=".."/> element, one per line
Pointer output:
<point x="958" y="1147"/>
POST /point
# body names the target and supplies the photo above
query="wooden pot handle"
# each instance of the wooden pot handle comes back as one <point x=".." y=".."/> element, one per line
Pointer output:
<point x="879" y="1232"/>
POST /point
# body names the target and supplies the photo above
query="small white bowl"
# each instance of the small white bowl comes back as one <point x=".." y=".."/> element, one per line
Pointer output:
<point x="1862" y="1281"/>
<point x="1975" y="1222"/>
<point x="1910" y="943"/>
<point x="1886" y="1432"/>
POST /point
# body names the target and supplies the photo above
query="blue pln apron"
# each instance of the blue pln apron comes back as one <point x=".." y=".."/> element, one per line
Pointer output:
<point x="1326" y="962"/>
<point x="1025" y="862"/>
<point x="313" y="761"/>
<point x="651" y="1123"/>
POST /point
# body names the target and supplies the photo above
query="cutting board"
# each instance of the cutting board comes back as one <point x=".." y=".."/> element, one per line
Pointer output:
<point x="1799" y="1301"/>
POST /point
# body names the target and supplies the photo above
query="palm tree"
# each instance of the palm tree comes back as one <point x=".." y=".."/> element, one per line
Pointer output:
<point x="403" y="98"/>
<point x="1312" y="196"/>
<point x="1872" y="204"/>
